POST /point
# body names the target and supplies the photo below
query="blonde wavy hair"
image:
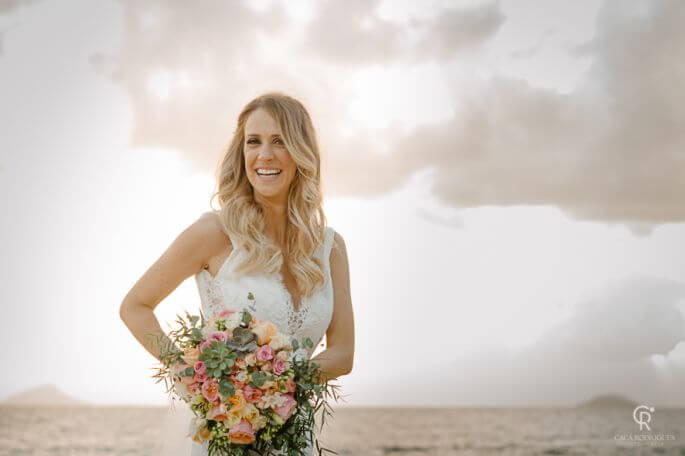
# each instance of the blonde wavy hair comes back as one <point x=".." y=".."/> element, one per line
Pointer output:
<point x="243" y="217"/>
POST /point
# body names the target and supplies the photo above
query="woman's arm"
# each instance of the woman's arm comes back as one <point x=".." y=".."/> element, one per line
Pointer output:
<point x="338" y="357"/>
<point x="184" y="257"/>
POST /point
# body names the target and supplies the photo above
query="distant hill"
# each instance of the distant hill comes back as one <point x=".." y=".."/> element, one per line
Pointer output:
<point x="43" y="395"/>
<point x="608" y="401"/>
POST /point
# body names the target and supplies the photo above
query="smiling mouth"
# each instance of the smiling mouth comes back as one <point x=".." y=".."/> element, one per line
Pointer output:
<point x="268" y="171"/>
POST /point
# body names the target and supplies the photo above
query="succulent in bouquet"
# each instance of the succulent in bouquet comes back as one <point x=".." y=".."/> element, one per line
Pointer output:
<point x="250" y="387"/>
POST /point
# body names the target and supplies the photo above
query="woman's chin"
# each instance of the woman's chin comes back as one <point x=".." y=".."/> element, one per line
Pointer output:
<point x="269" y="192"/>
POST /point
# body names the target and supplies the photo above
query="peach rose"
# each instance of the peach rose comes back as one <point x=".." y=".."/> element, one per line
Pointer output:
<point x="210" y="390"/>
<point x="251" y="394"/>
<point x="264" y="330"/>
<point x="218" y="412"/>
<point x="237" y="400"/>
<point x="241" y="433"/>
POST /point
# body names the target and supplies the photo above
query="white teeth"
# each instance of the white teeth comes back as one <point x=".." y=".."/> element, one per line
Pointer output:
<point x="268" y="172"/>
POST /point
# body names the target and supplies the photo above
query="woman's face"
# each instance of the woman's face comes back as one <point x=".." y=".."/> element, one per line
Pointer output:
<point x="265" y="152"/>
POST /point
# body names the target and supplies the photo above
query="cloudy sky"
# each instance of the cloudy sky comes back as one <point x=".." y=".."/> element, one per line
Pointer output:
<point x="509" y="178"/>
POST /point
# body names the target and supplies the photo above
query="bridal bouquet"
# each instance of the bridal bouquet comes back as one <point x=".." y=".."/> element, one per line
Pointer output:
<point x="250" y="388"/>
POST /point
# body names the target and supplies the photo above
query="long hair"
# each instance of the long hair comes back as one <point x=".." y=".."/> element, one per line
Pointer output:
<point x="243" y="217"/>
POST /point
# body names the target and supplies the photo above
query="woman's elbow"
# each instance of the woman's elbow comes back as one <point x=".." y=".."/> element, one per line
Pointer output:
<point x="349" y="365"/>
<point x="127" y="310"/>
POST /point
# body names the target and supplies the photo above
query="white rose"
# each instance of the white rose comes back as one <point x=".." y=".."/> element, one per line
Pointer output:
<point x="234" y="320"/>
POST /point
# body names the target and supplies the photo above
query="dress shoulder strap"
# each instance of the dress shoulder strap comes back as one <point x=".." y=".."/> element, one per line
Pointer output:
<point x="329" y="240"/>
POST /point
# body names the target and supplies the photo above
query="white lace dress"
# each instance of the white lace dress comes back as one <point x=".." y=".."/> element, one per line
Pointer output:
<point x="272" y="302"/>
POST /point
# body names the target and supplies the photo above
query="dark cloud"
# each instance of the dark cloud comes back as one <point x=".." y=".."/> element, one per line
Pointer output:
<point x="612" y="150"/>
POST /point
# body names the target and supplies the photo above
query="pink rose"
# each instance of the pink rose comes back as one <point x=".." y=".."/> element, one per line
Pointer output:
<point x="219" y="336"/>
<point x="206" y="344"/>
<point x="200" y="377"/>
<point x="279" y="366"/>
<point x="241" y="432"/>
<point x="265" y="353"/>
<point x="200" y="367"/>
<point x="288" y="407"/>
<point x="210" y="390"/>
<point x="225" y="313"/>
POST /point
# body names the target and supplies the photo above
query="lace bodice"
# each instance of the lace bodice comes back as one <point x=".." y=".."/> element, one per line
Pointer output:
<point x="272" y="302"/>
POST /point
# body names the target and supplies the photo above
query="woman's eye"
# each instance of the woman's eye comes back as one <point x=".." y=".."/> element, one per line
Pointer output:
<point x="254" y="141"/>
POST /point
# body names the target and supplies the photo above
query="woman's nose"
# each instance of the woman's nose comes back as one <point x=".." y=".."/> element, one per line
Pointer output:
<point x="265" y="151"/>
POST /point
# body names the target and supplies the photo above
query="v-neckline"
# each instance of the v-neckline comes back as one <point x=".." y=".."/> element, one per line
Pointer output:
<point x="289" y="295"/>
<point x="279" y="279"/>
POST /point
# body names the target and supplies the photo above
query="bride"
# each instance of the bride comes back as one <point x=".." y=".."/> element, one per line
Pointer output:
<point x="269" y="237"/>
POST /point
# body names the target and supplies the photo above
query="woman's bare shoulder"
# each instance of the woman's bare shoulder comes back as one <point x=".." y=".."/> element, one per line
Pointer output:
<point x="209" y="228"/>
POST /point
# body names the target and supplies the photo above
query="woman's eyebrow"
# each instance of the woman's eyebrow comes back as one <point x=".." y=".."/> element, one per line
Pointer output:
<point x="256" y="134"/>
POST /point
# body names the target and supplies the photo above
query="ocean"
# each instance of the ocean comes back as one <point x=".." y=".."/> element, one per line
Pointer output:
<point x="155" y="431"/>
